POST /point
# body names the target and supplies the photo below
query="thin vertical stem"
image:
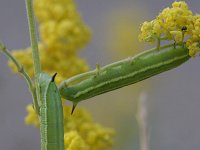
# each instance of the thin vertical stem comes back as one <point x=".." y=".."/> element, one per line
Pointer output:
<point x="34" y="45"/>
<point x="33" y="38"/>
<point x="142" y="122"/>
<point x="158" y="44"/>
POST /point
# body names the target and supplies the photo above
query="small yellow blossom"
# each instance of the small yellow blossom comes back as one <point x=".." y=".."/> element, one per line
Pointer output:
<point x="73" y="141"/>
<point x="180" y="4"/>
<point x="194" y="47"/>
<point x="173" y="24"/>
<point x="178" y="35"/>
<point x="147" y="32"/>
<point x="193" y="43"/>
<point x="32" y="117"/>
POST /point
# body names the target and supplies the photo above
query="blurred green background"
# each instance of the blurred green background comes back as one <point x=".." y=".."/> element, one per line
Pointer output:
<point x="172" y="97"/>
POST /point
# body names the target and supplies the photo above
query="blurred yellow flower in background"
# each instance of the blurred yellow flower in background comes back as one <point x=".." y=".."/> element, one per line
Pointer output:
<point x="74" y="141"/>
<point x="61" y="27"/>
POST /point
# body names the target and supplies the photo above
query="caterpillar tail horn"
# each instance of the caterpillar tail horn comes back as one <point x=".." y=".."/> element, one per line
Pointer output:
<point x="53" y="77"/>
<point x="73" y="108"/>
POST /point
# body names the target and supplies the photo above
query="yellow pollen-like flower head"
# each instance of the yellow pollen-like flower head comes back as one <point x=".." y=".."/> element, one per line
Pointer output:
<point x="61" y="26"/>
<point x="175" y="24"/>
<point x="73" y="141"/>
<point x="178" y="35"/>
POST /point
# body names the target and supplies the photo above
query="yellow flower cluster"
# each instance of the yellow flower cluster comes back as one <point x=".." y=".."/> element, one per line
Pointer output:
<point x="81" y="132"/>
<point x="168" y="23"/>
<point x="193" y="43"/>
<point x="60" y="25"/>
<point x="173" y="24"/>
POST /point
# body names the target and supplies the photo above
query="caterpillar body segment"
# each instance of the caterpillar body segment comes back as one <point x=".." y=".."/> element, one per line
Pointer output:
<point x="51" y="114"/>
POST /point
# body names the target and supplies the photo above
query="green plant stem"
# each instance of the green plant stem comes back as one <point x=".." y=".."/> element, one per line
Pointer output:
<point x="23" y="72"/>
<point x="34" y="45"/>
<point x="158" y="43"/>
<point x="33" y="38"/>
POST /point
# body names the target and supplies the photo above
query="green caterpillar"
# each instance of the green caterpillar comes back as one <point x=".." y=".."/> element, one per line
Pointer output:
<point x="123" y="73"/>
<point x="51" y="114"/>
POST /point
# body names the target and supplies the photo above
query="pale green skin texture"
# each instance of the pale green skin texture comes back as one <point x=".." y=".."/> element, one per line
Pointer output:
<point x="125" y="72"/>
<point x="51" y="115"/>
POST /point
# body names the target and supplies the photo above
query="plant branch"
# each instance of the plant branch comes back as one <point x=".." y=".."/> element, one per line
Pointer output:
<point x="23" y="72"/>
